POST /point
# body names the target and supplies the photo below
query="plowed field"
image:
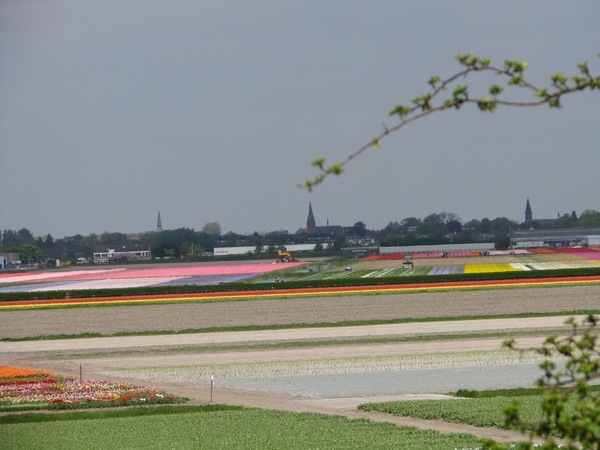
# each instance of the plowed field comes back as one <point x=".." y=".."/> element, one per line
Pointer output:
<point x="108" y="320"/>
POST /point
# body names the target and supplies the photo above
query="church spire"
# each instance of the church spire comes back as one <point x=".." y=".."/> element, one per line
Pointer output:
<point x="528" y="211"/>
<point x="311" y="216"/>
<point x="158" y="223"/>
<point x="311" y="224"/>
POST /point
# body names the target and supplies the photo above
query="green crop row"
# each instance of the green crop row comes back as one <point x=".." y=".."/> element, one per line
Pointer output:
<point x="247" y="429"/>
<point x="480" y="412"/>
<point x="301" y="284"/>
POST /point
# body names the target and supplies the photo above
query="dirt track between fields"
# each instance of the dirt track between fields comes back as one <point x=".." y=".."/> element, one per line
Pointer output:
<point x="107" y="320"/>
<point x="294" y="334"/>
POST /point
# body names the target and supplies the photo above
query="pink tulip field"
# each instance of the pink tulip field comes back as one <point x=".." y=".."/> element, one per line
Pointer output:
<point x="126" y="277"/>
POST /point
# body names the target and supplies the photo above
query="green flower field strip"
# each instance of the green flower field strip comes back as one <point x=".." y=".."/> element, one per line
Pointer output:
<point x="380" y="273"/>
<point x="278" y="293"/>
<point x="479" y="412"/>
<point x="415" y="272"/>
<point x="249" y="429"/>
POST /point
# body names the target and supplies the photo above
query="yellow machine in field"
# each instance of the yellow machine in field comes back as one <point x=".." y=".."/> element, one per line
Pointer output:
<point x="284" y="257"/>
<point x="407" y="263"/>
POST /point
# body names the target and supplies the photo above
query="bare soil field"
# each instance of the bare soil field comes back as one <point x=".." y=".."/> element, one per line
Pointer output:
<point x="109" y="320"/>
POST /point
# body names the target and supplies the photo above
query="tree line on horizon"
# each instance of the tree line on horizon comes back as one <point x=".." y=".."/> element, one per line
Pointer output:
<point x="436" y="228"/>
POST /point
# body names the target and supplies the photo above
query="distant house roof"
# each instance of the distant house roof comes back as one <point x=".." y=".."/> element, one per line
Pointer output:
<point x="105" y="253"/>
<point x="328" y="229"/>
<point x="548" y="222"/>
<point x="135" y="247"/>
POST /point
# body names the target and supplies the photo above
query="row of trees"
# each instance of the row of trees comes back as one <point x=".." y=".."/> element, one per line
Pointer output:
<point x="443" y="228"/>
<point x="436" y="228"/>
<point x="590" y="218"/>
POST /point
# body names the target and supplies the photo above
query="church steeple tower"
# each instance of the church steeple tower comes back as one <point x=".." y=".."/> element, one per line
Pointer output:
<point x="528" y="211"/>
<point x="158" y="223"/>
<point x="311" y="224"/>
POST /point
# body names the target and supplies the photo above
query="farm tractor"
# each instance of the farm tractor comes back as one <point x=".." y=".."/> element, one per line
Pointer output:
<point x="407" y="263"/>
<point x="284" y="257"/>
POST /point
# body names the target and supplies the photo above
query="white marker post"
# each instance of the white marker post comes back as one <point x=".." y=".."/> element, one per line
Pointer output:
<point x="212" y="379"/>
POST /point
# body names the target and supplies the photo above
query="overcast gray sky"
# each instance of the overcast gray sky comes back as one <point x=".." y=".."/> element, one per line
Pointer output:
<point x="213" y="110"/>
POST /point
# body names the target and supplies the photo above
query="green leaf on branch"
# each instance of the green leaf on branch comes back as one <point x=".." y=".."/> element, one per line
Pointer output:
<point x="401" y="110"/>
<point x="521" y="67"/>
<point x="485" y="104"/>
<point x="434" y="80"/>
<point x="463" y="58"/>
<point x="515" y="80"/>
<point x="558" y="78"/>
<point x="583" y="67"/>
<point x="318" y="162"/>
<point x="336" y="169"/>
<point x="496" y="89"/>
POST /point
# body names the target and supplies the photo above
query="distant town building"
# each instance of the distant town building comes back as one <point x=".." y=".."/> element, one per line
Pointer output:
<point x="9" y="259"/>
<point x="555" y="238"/>
<point x="104" y="254"/>
<point x="313" y="229"/>
<point x="544" y="223"/>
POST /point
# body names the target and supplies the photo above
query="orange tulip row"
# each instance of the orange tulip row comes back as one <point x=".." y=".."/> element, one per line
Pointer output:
<point x="12" y="372"/>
